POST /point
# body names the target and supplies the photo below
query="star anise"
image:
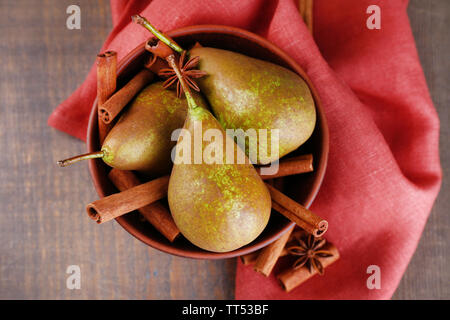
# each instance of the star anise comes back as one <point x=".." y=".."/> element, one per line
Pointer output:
<point x="308" y="250"/>
<point x="188" y="72"/>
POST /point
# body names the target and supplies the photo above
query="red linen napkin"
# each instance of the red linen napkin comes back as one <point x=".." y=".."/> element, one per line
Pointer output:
<point x="383" y="171"/>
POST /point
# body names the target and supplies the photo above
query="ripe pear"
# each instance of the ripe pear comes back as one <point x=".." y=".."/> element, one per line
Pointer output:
<point x="141" y="139"/>
<point x="248" y="93"/>
<point x="219" y="206"/>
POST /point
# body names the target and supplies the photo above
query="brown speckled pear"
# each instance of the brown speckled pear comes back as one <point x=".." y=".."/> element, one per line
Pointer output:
<point x="249" y="93"/>
<point x="217" y="206"/>
<point x="141" y="139"/>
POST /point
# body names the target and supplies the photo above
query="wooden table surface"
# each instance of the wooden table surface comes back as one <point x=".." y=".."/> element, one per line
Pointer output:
<point x="42" y="207"/>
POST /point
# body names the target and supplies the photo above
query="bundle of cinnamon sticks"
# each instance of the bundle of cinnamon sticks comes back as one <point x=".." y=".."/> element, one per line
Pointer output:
<point x="264" y="260"/>
<point x="111" y="103"/>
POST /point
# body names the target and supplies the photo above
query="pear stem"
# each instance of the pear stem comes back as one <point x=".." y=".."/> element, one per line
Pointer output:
<point x="161" y="36"/>
<point x="92" y="155"/>
<point x="171" y="58"/>
<point x="187" y="91"/>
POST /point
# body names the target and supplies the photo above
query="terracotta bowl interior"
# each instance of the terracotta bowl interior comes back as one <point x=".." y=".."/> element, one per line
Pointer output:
<point x="303" y="188"/>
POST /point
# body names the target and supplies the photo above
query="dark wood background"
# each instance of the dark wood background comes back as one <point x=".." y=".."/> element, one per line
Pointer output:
<point x="42" y="207"/>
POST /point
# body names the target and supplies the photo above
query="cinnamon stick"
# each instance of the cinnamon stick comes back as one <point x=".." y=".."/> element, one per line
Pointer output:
<point x="106" y="85"/>
<point x="269" y="255"/>
<point x="309" y="15"/>
<point x="294" y="234"/>
<point x="291" y="166"/>
<point x="112" y="107"/>
<point x="155" y="64"/>
<point x="302" y="8"/>
<point x="306" y="10"/>
<point x="249" y="258"/>
<point x="292" y="278"/>
<point x="155" y="213"/>
<point x="295" y="212"/>
<point x="117" y="204"/>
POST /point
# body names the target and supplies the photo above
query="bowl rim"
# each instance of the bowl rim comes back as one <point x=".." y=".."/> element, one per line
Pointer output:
<point x="322" y="162"/>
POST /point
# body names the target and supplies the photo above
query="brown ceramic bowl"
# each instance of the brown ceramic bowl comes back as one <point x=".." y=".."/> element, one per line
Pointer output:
<point x="302" y="188"/>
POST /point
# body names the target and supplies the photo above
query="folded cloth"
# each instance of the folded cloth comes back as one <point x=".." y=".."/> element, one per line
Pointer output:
<point x="383" y="171"/>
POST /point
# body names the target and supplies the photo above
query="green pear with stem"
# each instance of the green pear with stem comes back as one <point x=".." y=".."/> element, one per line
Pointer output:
<point x="218" y="204"/>
<point x="251" y="94"/>
<point x="247" y="93"/>
<point x="141" y="139"/>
